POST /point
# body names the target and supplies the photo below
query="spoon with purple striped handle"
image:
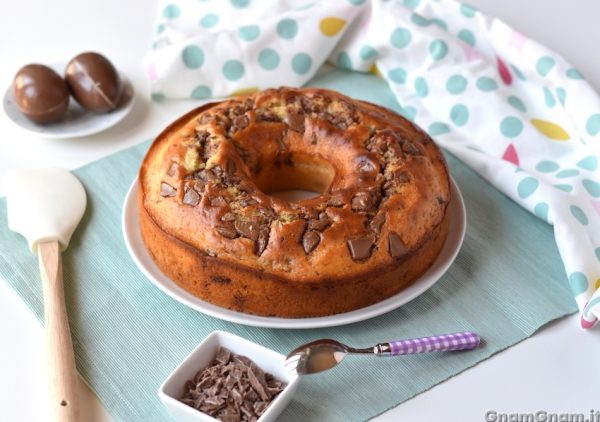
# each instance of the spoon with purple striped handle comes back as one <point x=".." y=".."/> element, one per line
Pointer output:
<point x="324" y="354"/>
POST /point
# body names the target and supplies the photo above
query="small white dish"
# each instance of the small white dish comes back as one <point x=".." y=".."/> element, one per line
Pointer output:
<point x="173" y="388"/>
<point x="78" y="121"/>
<point x="141" y="257"/>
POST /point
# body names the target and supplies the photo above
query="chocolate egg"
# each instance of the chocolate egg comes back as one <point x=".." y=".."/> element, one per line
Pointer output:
<point x="94" y="82"/>
<point x="40" y="93"/>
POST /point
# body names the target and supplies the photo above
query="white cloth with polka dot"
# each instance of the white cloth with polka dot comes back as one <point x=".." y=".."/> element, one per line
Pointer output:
<point x="510" y="108"/>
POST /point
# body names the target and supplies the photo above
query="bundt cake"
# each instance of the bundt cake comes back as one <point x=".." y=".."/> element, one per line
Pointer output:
<point x="210" y="224"/>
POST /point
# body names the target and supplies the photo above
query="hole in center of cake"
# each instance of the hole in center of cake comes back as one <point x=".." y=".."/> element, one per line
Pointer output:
<point x="296" y="178"/>
<point x="294" y="195"/>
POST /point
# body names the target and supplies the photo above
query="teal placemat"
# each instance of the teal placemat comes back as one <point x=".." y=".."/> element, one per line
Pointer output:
<point x="507" y="281"/>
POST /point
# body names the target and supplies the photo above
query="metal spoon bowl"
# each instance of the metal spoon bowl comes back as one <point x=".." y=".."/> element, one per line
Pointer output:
<point x="320" y="355"/>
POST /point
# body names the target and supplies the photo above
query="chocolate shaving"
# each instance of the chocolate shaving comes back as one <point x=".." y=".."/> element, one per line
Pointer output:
<point x="228" y="216"/>
<point x="360" y="248"/>
<point x="245" y="202"/>
<point x="321" y="224"/>
<point x="364" y="201"/>
<point x="191" y="197"/>
<point x="260" y="407"/>
<point x="257" y="385"/>
<point x="336" y="200"/>
<point x="223" y="355"/>
<point x="237" y="397"/>
<point x="365" y="166"/>
<point x="195" y="184"/>
<point x="251" y="396"/>
<point x="218" y="201"/>
<point x="172" y="169"/>
<point x="206" y="175"/>
<point x="232" y="388"/>
<point x="247" y="228"/>
<point x="377" y="222"/>
<point x="397" y="248"/>
<point x="295" y="121"/>
<point x="229" y="417"/>
<point x="263" y="239"/>
<point x="167" y="190"/>
<point x="227" y="230"/>
<point x="310" y="240"/>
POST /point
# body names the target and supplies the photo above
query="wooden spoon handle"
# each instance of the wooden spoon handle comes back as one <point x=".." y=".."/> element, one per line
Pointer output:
<point x="62" y="375"/>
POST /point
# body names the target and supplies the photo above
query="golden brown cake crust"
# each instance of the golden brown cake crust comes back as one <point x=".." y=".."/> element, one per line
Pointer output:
<point x="210" y="225"/>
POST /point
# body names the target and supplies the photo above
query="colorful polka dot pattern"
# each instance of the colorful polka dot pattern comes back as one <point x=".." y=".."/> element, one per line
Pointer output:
<point x="209" y="20"/>
<point x="240" y="4"/>
<point x="562" y="95"/>
<point x="527" y="187"/>
<point x="201" y="92"/>
<point x="550" y="129"/>
<point x="520" y="108"/>
<point x="233" y="70"/>
<point x="400" y="38"/>
<point x="511" y="127"/>
<point x="249" y="32"/>
<point x="544" y="65"/>
<point x="268" y="59"/>
<point x="456" y="84"/>
<point x="287" y="28"/>
<point x="592" y="125"/>
<point x="579" y="283"/>
<point x="344" y="61"/>
<point x="367" y="52"/>
<point x="467" y="10"/>
<point x="486" y="84"/>
<point x="467" y="36"/>
<point x="192" y="56"/>
<point x="397" y="75"/>
<point x="459" y="114"/>
<point x="171" y="11"/>
<point x="421" y="87"/>
<point x="438" y="49"/>
<point x="438" y="128"/>
<point x="331" y="26"/>
<point x="541" y="210"/>
<point x="517" y="103"/>
<point x="301" y="63"/>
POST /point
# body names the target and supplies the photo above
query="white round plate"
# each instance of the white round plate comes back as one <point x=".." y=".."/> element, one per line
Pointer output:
<point x="135" y="245"/>
<point x="77" y="122"/>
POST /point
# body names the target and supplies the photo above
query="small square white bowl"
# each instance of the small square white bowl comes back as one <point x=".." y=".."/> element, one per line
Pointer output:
<point x="173" y="388"/>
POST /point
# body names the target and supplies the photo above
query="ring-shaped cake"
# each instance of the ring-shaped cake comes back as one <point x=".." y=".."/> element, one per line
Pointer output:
<point x="211" y="225"/>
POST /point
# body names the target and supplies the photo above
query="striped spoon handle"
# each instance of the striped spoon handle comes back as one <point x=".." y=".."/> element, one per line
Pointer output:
<point x="463" y="340"/>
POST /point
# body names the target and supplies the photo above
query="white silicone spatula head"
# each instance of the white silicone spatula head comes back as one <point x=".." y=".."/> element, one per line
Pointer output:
<point x="44" y="204"/>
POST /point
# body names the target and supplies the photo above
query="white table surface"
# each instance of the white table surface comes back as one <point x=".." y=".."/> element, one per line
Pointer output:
<point x="556" y="370"/>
